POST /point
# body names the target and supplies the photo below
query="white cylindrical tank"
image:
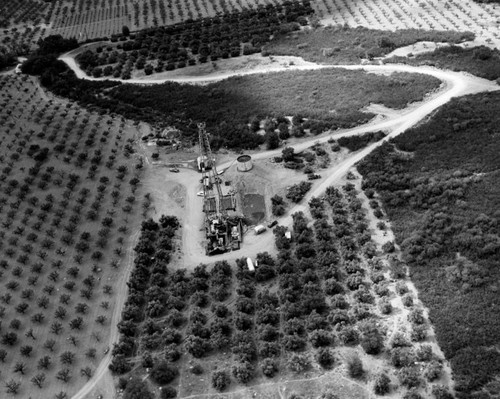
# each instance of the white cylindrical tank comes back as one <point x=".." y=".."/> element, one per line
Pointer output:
<point x="244" y="163"/>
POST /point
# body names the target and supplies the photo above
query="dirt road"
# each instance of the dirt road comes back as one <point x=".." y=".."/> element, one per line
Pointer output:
<point x="280" y="63"/>
<point x="454" y="84"/>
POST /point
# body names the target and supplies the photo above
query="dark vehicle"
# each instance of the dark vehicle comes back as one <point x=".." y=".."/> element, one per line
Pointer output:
<point x="313" y="176"/>
<point x="272" y="224"/>
<point x="175" y="170"/>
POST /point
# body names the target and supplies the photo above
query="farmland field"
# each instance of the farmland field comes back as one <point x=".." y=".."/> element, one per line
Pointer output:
<point x="70" y="205"/>
<point x="328" y="304"/>
<point x="25" y="21"/>
<point x="189" y="43"/>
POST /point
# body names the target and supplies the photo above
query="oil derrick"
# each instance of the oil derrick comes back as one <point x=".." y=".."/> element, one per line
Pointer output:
<point x="223" y="232"/>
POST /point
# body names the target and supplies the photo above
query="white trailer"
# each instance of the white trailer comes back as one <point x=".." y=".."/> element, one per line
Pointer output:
<point x="259" y="229"/>
<point x="250" y="265"/>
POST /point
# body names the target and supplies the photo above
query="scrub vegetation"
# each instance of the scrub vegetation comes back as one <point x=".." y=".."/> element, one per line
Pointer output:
<point x="345" y="45"/>
<point x="439" y="185"/>
<point x="480" y="61"/>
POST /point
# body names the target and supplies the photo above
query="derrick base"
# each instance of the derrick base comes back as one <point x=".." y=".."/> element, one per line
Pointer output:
<point x="223" y="234"/>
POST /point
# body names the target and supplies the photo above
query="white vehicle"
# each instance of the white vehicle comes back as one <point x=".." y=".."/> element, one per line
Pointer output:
<point x="200" y="194"/>
<point x="18" y="69"/>
<point x="259" y="229"/>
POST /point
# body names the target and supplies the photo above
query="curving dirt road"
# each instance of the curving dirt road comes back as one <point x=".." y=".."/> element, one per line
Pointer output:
<point x="454" y="84"/>
<point x="280" y="63"/>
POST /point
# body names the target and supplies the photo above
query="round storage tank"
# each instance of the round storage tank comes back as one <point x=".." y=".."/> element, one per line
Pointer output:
<point x="244" y="163"/>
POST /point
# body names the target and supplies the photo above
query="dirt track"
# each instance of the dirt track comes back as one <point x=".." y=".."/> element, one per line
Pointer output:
<point x="454" y="84"/>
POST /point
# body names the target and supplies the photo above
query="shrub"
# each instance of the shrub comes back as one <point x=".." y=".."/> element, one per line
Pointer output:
<point x="418" y="332"/>
<point x="349" y="336"/>
<point x="196" y="346"/>
<point x="407" y="300"/>
<point x="137" y="389"/>
<point x="197" y="369"/>
<point x="293" y="342"/>
<point x="441" y="392"/>
<point x="163" y="373"/>
<point x="382" y="289"/>
<point x="325" y="358"/>
<point x="385" y="306"/>
<point x="269" y="367"/>
<point x="402" y="357"/>
<point x="298" y="363"/>
<point x="298" y="191"/>
<point x="243" y="372"/>
<point x="355" y="367"/>
<point x="412" y="394"/>
<point x="270" y="349"/>
<point x="416" y="316"/>
<point x="120" y="365"/>
<point x="409" y="377"/>
<point x="220" y="380"/>
<point x="320" y="338"/>
<point x="363" y="295"/>
<point x="168" y="392"/>
<point x="398" y="270"/>
<point x="401" y="288"/>
<point x="388" y="247"/>
<point x="372" y="341"/>
<point x="433" y="370"/>
<point x="424" y="353"/>
<point x="333" y="287"/>
<point x="382" y="384"/>
<point x="399" y="340"/>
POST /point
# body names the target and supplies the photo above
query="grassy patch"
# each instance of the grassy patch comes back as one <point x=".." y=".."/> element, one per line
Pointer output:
<point x="479" y="61"/>
<point x="443" y="201"/>
<point x="344" y="45"/>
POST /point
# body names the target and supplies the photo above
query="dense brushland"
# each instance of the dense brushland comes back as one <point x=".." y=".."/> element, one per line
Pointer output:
<point x="480" y="61"/>
<point x="344" y="45"/>
<point x="354" y="143"/>
<point x="439" y="184"/>
<point x="330" y="98"/>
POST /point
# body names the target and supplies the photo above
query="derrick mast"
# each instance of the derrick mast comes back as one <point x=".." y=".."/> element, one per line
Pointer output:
<point x="209" y="171"/>
<point x="223" y="232"/>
